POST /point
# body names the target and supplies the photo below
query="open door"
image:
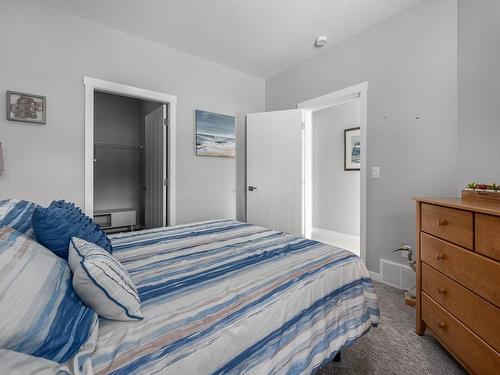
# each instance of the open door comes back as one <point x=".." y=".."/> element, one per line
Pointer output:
<point x="155" y="169"/>
<point x="275" y="196"/>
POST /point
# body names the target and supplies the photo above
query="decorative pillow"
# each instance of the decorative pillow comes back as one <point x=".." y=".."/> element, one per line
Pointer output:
<point x="102" y="283"/>
<point x="55" y="225"/>
<point x="41" y="315"/>
<point x="16" y="213"/>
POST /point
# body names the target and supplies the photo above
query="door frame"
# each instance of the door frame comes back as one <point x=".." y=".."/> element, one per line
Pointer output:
<point x="92" y="85"/>
<point x="359" y="91"/>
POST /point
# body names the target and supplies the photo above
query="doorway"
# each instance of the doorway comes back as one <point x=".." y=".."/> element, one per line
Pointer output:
<point x="280" y="165"/>
<point x="129" y="156"/>
<point x="336" y="187"/>
<point x="335" y="195"/>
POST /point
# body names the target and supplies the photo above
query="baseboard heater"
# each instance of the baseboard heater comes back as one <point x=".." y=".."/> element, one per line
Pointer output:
<point x="397" y="275"/>
<point x="118" y="218"/>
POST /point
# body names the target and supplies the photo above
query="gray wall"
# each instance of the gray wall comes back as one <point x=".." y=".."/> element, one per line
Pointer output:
<point x="118" y="172"/>
<point x="478" y="91"/>
<point x="336" y="193"/>
<point x="48" y="52"/>
<point x="410" y="63"/>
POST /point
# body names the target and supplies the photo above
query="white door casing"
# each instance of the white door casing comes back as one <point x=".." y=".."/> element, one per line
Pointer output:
<point x="155" y="168"/>
<point x="93" y="84"/>
<point x="275" y="170"/>
<point x="356" y="92"/>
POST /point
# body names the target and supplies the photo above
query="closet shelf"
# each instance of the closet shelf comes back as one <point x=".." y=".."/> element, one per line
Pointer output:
<point x="119" y="145"/>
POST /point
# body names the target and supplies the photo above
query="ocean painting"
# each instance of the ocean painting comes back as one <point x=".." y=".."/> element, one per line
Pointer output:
<point x="215" y="135"/>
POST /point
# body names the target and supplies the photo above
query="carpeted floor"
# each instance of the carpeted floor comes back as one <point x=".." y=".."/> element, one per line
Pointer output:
<point x="393" y="347"/>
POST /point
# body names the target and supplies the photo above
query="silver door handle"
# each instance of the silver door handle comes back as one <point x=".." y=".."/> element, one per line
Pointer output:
<point x="252" y="188"/>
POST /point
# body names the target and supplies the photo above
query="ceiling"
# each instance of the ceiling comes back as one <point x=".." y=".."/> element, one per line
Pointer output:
<point x="258" y="37"/>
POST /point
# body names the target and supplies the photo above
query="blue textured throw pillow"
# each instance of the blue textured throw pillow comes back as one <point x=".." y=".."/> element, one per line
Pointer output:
<point x="55" y="225"/>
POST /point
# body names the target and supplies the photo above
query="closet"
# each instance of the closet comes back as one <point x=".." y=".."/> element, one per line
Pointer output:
<point x="130" y="163"/>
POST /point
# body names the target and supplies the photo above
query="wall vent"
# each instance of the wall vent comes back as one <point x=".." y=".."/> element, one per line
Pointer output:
<point x="397" y="275"/>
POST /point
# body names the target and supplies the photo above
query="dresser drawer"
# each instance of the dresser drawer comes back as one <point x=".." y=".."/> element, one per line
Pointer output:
<point x="475" y="272"/>
<point x="448" y="223"/>
<point x="476" y="355"/>
<point x="488" y="235"/>
<point x="480" y="316"/>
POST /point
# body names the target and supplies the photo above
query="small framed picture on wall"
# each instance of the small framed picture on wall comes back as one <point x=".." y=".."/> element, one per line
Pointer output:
<point x="26" y="107"/>
<point x="352" y="149"/>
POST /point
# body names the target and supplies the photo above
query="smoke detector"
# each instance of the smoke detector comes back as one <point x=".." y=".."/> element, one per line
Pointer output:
<point x="321" y="41"/>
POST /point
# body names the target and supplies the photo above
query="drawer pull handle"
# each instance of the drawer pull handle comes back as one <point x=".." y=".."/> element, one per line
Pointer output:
<point x="439" y="256"/>
<point x="441" y="290"/>
<point x="442" y="222"/>
<point x="441" y="325"/>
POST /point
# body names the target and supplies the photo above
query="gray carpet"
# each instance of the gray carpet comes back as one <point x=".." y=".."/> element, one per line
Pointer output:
<point x="393" y="347"/>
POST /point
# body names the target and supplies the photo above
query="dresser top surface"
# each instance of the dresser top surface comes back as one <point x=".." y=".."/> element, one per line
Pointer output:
<point x="485" y="207"/>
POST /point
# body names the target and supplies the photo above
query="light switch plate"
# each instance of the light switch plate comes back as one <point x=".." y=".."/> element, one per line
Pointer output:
<point x="375" y="172"/>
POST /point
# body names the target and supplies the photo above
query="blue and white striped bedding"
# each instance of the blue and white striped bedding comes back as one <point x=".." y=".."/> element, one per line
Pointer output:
<point x="225" y="297"/>
<point x="40" y="314"/>
<point x="16" y="213"/>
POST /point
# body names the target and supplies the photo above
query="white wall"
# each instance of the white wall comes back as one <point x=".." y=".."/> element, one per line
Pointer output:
<point x="48" y="52"/>
<point x="409" y="60"/>
<point x="336" y="192"/>
<point x="478" y="91"/>
<point x="410" y="63"/>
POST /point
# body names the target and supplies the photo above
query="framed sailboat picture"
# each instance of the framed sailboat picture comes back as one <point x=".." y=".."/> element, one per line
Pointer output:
<point x="215" y="134"/>
<point x="352" y="149"/>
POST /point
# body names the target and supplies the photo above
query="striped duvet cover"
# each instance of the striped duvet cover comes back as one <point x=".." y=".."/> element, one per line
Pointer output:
<point x="225" y="297"/>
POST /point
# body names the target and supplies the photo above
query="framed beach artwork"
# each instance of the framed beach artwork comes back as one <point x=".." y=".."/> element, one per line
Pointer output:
<point x="26" y="107"/>
<point x="352" y="149"/>
<point x="215" y="134"/>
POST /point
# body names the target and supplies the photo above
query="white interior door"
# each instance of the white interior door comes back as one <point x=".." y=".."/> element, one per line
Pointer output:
<point x="155" y="172"/>
<point x="275" y="170"/>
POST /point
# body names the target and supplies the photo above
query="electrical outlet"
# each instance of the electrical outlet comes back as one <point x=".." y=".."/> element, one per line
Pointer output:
<point x="406" y="253"/>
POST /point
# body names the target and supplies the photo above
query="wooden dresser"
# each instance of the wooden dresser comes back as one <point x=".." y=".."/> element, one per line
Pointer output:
<point x="458" y="278"/>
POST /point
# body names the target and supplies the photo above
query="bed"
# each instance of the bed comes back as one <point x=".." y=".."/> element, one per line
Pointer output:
<point x="226" y="297"/>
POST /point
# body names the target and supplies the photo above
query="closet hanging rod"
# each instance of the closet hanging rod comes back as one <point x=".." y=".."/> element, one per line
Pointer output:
<point x="119" y="145"/>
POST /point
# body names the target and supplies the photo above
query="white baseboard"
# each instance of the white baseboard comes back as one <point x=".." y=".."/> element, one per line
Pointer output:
<point x="343" y="240"/>
<point x="376" y="276"/>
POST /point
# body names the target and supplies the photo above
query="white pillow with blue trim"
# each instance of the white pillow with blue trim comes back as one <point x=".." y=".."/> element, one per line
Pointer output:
<point x="102" y="283"/>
